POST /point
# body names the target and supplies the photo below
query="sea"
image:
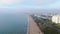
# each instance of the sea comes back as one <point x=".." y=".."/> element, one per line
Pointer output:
<point x="13" y="23"/>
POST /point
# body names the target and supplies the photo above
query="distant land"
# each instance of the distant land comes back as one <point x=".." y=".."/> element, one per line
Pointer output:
<point x="31" y="11"/>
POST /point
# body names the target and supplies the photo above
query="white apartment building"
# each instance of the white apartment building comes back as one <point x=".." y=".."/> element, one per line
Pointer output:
<point x="56" y="18"/>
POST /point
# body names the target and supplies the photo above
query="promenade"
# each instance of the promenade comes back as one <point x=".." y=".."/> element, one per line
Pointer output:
<point x="33" y="28"/>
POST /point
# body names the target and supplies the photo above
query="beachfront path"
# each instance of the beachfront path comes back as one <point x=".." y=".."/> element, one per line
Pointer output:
<point x="33" y="28"/>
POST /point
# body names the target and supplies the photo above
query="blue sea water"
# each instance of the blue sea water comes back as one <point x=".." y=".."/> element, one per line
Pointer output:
<point x="13" y="23"/>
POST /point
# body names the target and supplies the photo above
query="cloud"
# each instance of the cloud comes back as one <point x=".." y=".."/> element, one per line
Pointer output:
<point x="36" y="2"/>
<point x="9" y="2"/>
<point x="41" y="2"/>
<point x="55" y="5"/>
<point x="28" y="3"/>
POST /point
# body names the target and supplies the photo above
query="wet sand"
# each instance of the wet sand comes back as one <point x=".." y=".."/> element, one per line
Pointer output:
<point x="33" y="28"/>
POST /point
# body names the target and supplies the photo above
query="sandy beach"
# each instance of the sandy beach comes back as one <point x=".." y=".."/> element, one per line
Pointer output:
<point x="33" y="28"/>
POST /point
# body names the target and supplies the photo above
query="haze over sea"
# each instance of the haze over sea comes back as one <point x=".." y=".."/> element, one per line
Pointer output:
<point x="13" y="23"/>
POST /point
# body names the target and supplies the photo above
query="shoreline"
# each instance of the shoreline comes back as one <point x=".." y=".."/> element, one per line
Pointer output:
<point x="32" y="27"/>
<point x="28" y="26"/>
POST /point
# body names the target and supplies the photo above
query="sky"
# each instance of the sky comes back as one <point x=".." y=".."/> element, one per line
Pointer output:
<point x="40" y="4"/>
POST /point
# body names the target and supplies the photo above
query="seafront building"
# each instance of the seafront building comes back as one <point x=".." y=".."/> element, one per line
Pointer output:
<point x="56" y="18"/>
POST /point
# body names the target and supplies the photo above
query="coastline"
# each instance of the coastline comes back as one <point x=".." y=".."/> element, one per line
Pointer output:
<point x="28" y="26"/>
<point x="32" y="27"/>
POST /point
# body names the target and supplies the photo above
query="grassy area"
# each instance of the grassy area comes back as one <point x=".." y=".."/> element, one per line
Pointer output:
<point x="54" y="24"/>
<point x="58" y="25"/>
<point x="49" y="30"/>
